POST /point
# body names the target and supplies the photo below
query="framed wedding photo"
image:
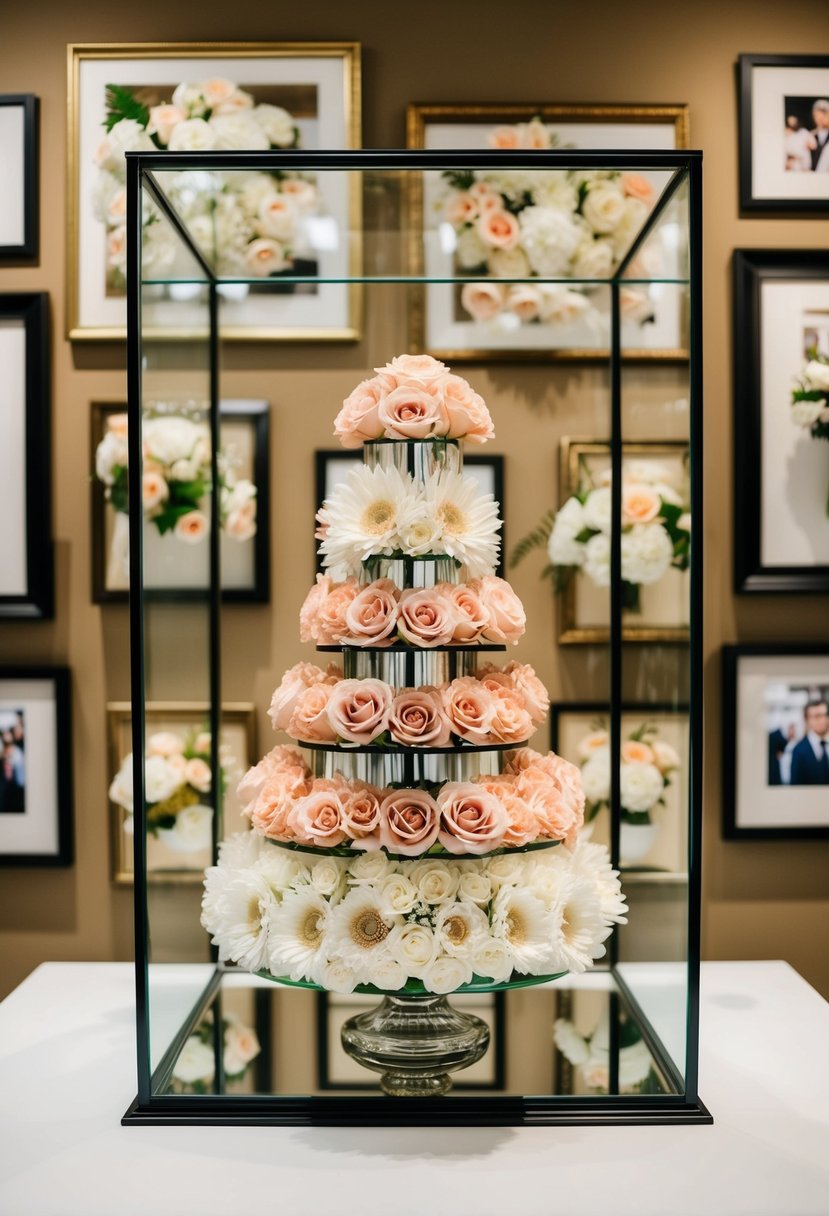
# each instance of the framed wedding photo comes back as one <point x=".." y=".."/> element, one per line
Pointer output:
<point x="781" y="420"/>
<point x="173" y="568"/>
<point x="35" y="767"/>
<point x="463" y="316"/>
<point x="775" y="760"/>
<point x="26" y="570"/>
<point x="784" y="133"/>
<point x="19" y="175"/>
<point x="246" y="96"/>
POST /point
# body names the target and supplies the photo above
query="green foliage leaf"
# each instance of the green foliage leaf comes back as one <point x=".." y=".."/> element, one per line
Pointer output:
<point x="121" y="103"/>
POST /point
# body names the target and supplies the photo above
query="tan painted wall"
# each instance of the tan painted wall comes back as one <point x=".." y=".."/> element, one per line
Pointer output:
<point x="761" y="900"/>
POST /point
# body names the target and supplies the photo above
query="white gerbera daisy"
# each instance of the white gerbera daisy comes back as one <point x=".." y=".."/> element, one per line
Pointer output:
<point x="569" y="1042"/>
<point x="592" y="861"/>
<point x="364" y="516"/>
<point x="241" y="850"/>
<point x="296" y="928"/>
<point x="459" y="928"/>
<point x="582" y="927"/>
<point x="358" y="931"/>
<point x="467" y="519"/>
<point x="529" y="930"/>
<point x="235" y="910"/>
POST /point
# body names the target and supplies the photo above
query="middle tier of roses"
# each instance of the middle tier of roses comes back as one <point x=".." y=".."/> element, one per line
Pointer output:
<point x="535" y="798"/>
<point x="490" y="708"/>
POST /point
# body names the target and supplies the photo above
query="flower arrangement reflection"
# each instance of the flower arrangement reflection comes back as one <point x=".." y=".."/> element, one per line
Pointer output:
<point x="525" y="224"/>
<point x="248" y="223"/>
<point x="195" y="1068"/>
<point x="591" y="1056"/>
<point x="647" y="764"/>
<point x="810" y="400"/>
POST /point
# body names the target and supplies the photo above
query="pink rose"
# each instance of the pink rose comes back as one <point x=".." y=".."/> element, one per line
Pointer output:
<point x="361" y="815"/>
<point x="427" y="617"/>
<point x="507" y="619"/>
<point x="413" y="367"/>
<point x="418" y="718"/>
<point x="409" y="822"/>
<point x="470" y="615"/>
<point x="525" y="301"/>
<point x="371" y="617"/>
<point x="504" y="137"/>
<point x="318" y="818"/>
<point x="510" y="722"/>
<point x="309" y="612"/>
<point x="522" y="826"/>
<point x="469" y="708"/>
<point x="279" y="760"/>
<point x="468" y="414"/>
<point x="309" y="720"/>
<point x="527" y="683"/>
<point x="635" y="186"/>
<point x="358" y="420"/>
<point x="498" y="229"/>
<point x="358" y="710"/>
<point x="411" y="412"/>
<point x="557" y="817"/>
<point x="294" y="682"/>
<point x="523" y="758"/>
<point x="331" y="624"/>
<point x="162" y="120"/>
<point x="472" y="820"/>
<point x="270" y="810"/>
<point x="461" y="209"/>
<point x="483" y="301"/>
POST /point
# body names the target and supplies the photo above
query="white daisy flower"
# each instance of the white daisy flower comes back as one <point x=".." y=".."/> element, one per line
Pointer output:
<point x="295" y="933"/>
<point x="459" y="928"/>
<point x="358" y="929"/>
<point x="593" y="862"/>
<point x="236" y="909"/>
<point x="529" y="930"/>
<point x="582" y="928"/>
<point x="468" y="520"/>
<point x="241" y="850"/>
<point x="569" y="1042"/>
<point x="364" y="516"/>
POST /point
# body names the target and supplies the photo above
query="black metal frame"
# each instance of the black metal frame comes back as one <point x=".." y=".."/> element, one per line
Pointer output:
<point x="28" y="248"/>
<point x="37" y="603"/>
<point x="745" y="71"/>
<point x="682" y="1107"/>
<point x="751" y="269"/>
<point x="59" y="677"/>
<point x="255" y="412"/>
<point x="731" y="656"/>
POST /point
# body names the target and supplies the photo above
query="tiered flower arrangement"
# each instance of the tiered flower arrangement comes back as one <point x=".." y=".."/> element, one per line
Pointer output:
<point x="810" y="400"/>
<point x="176" y="478"/>
<point x="523" y="224"/>
<point x="647" y="764"/>
<point x="423" y="846"/>
<point x="656" y="532"/>
<point x="177" y="784"/>
<point x="195" y="1066"/>
<point x="252" y="223"/>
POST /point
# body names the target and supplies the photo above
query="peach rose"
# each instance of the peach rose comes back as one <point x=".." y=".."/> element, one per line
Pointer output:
<point x="358" y="420"/>
<point x="163" y="743"/>
<point x="294" y="682"/>
<point x="535" y="135"/>
<point x="409" y="822"/>
<point x="467" y="412"/>
<point x="635" y="752"/>
<point x="423" y="368"/>
<point x="461" y="208"/>
<point x="592" y="742"/>
<point x="265" y="256"/>
<point x="418" y="718"/>
<point x="527" y="684"/>
<point x="483" y="301"/>
<point x="309" y="612"/>
<point x="359" y="710"/>
<point x="510" y="721"/>
<point x="525" y="301"/>
<point x="319" y="818"/>
<point x="154" y="490"/>
<point x="555" y="814"/>
<point x="309" y="720"/>
<point x="197" y="773"/>
<point x="271" y="809"/>
<point x="241" y="523"/>
<point x="635" y="186"/>
<point x="498" y="229"/>
<point x="507" y="619"/>
<point x="472" y="820"/>
<point x="371" y="616"/>
<point x="471" y="617"/>
<point x="280" y="760"/>
<point x="470" y="709"/>
<point x="413" y="412"/>
<point x="640" y="504"/>
<point x="331" y="624"/>
<point x="192" y="527"/>
<point x="522" y="822"/>
<point x="504" y="138"/>
<point x="361" y="816"/>
<point x="426" y="617"/>
<point x="162" y="120"/>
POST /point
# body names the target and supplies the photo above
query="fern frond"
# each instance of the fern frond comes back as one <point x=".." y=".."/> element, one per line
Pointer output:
<point x="537" y="539"/>
<point x="121" y="104"/>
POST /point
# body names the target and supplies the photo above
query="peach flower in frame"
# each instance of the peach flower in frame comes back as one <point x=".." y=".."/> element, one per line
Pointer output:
<point x="472" y="820"/>
<point x="635" y="752"/>
<point x="409" y="822"/>
<point x="162" y="120"/>
<point x="265" y="256"/>
<point x="483" y="301"/>
<point x="461" y="208"/>
<point x="636" y="186"/>
<point x="498" y="229"/>
<point x="154" y="490"/>
<point x="197" y="773"/>
<point x="371" y="616"/>
<point x="592" y="742"/>
<point x="309" y="720"/>
<point x="192" y="527"/>
<point x="525" y="301"/>
<point x="640" y="503"/>
<point x="504" y="138"/>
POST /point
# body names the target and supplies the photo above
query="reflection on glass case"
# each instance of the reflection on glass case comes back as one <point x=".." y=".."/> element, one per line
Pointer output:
<point x="408" y="911"/>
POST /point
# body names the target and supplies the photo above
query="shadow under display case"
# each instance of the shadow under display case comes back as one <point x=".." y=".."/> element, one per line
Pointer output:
<point x="420" y="915"/>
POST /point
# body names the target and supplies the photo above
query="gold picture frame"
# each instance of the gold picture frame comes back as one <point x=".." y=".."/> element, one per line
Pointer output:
<point x="238" y="734"/>
<point x="445" y="126"/>
<point x="328" y="71"/>
<point x="578" y="599"/>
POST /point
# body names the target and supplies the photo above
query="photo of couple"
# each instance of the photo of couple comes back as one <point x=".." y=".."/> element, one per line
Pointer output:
<point x="806" y="137"/>
<point x="798" y="735"/>
<point x="12" y="762"/>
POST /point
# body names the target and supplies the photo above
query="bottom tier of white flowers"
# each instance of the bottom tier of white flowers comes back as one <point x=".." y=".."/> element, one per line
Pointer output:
<point x="432" y="922"/>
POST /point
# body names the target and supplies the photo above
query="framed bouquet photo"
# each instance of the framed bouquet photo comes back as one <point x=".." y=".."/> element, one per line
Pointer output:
<point x="499" y="231"/>
<point x="35" y="767"/>
<point x="775" y="761"/>
<point x="177" y="776"/>
<point x="654" y="778"/>
<point x="784" y="133"/>
<point x="781" y="420"/>
<point x="176" y="501"/>
<point x="222" y="97"/>
<point x="19" y="175"/>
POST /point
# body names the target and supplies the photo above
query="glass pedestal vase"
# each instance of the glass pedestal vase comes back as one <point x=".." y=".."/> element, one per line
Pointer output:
<point x="415" y="1042"/>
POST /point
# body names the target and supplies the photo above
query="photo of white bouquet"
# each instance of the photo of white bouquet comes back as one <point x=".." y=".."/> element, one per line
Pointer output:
<point x="810" y="399"/>
<point x="647" y="763"/>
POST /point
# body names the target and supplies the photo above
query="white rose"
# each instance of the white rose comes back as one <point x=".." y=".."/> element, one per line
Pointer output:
<point x="509" y="263"/>
<point x="447" y="974"/>
<point x="423" y="536"/>
<point x="397" y="895"/>
<point x="647" y="552"/>
<point x="595" y="776"/>
<point x="816" y="374"/>
<point x="110" y="454"/>
<point x="193" y="830"/>
<point x="108" y="197"/>
<point x="161" y="780"/>
<point x="164" y="743"/>
<point x="334" y="975"/>
<point x="603" y="206"/>
<point x="806" y="413"/>
<point x="470" y="250"/>
<point x="555" y="191"/>
<point x="597" y="509"/>
<point x="385" y="972"/>
<point x="593" y="260"/>
<point x="413" y="946"/>
<point x="277" y="124"/>
<point x="237" y="131"/>
<point x="121" y="789"/>
<point x="126" y="136"/>
<point x="436" y="882"/>
<point x="276" y="216"/>
<point x="281" y="870"/>
<point x="475" y="885"/>
<point x="189" y="97"/>
<point x="560" y="306"/>
<point x="506" y="869"/>
<point x="667" y="757"/>
<point x="549" y="238"/>
<point x="195" y="1062"/>
<point x="597" y="559"/>
<point x="194" y="135"/>
<point x="641" y="786"/>
<point x="369" y="868"/>
<point x="327" y="876"/>
<point x="170" y="439"/>
<point x="628" y="227"/>
<point x="562" y="547"/>
<point x="491" y="960"/>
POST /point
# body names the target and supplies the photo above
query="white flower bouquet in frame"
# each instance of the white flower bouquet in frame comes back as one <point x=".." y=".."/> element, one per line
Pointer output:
<point x="194" y="1071"/>
<point x="810" y="399"/>
<point x="591" y="1056"/>
<point x="647" y="763"/>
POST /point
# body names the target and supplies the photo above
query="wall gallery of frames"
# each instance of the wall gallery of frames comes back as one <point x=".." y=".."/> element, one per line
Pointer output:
<point x="532" y="347"/>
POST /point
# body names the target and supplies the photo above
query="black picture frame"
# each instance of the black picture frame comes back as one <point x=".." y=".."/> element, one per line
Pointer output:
<point x="28" y="247"/>
<point x="732" y="828"/>
<point x="747" y="66"/>
<point x="63" y="853"/>
<point x="36" y="600"/>
<point x="751" y="270"/>
<point x="254" y="412"/>
<point x="324" y="456"/>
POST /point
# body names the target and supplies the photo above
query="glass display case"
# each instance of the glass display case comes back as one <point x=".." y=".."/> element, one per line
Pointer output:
<point x="538" y="910"/>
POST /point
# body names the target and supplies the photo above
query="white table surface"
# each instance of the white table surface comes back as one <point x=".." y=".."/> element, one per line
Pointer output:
<point x="67" y="1076"/>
